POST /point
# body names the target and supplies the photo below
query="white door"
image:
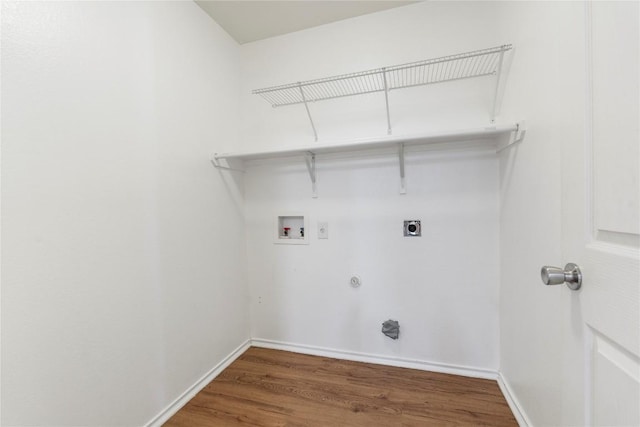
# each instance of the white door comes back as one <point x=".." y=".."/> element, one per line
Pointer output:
<point x="601" y="226"/>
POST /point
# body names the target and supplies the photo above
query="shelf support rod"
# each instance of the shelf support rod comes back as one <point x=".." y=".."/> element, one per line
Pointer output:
<point x="306" y="106"/>
<point x="386" y="99"/>
<point x="403" y="186"/>
<point x="495" y="94"/>
<point x="216" y="164"/>
<point x="310" y="160"/>
<point x="516" y="136"/>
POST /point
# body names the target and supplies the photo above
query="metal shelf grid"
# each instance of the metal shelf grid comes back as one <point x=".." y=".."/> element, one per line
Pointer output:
<point x="479" y="63"/>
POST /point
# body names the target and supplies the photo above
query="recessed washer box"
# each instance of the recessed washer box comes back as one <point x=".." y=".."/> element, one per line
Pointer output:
<point x="412" y="228"/>
<point x="292" y="229"/>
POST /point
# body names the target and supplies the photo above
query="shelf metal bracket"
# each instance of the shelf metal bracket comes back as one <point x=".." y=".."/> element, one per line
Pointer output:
<point x="494" y="110"/>
<point x="310" y="160"/>
<point x="517" y="135"/>
<point x="306" y="106"/>
<point x="216" y="164"/>
<point x="386" y="99"/>
<point x="403" y="186"/>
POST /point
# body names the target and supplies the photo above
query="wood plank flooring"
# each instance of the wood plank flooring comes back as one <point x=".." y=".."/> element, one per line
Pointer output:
<point x="278" y="388"/>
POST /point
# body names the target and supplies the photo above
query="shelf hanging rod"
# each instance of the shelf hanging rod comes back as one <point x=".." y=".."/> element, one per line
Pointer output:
<point x="495" y="95"/>
<point x="386" y="100"/>
<point x="403" y="186"/>
<point x="306" y="106"/>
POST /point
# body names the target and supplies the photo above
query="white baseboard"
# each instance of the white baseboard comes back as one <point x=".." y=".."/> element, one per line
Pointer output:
<point x="185" y="397"/>
<point x="377" y="359"/>
<point x="513" y="402"/>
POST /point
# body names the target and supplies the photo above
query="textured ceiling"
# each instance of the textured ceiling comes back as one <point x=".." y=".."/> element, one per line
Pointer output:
<point x="248" y="21"/>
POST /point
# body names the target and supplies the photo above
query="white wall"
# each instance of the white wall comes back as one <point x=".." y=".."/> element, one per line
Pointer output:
<point x="442" y="287"/>
<point x="300" y="294"/>
<point x="123" y="276"/>
<point x="545" y="87"/>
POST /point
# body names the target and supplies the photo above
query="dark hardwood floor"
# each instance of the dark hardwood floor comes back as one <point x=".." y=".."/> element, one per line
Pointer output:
<point x="278" y="388"/>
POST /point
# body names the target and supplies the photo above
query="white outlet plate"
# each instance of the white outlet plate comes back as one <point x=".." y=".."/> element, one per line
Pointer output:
<point x="323" y="230"/>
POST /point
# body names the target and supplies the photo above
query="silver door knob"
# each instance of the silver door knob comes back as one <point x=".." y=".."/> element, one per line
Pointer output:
<point x="571" y="275"/>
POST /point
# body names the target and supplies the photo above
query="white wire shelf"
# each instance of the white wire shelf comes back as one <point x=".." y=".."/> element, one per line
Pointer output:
<point x="478" y="63"/>
<point x="309" y="152"/>
<point x="372" y="143"/>
<point x="447" y="68"/>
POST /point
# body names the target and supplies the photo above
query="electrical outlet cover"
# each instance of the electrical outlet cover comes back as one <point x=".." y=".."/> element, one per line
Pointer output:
<point x="323" y="230"/>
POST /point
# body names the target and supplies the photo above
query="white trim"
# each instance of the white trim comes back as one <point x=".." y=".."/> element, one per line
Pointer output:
<point x="189" y="393"/>
<point x="512" y="401"/>
<point x="400" y="362"/>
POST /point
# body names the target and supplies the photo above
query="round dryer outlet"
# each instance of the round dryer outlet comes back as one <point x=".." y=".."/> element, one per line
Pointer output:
<point x="412" y="228"/>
